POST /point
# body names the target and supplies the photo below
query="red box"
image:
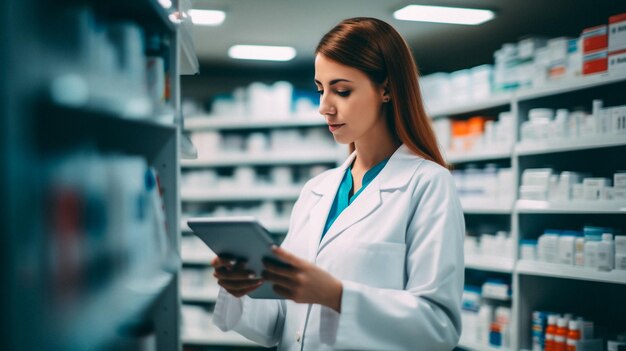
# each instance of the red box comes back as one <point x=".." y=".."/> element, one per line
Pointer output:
<point x="595" y="39"/>
<point x="595" y="63"/>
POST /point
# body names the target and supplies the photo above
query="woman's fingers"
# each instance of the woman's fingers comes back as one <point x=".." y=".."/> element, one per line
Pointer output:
<point x="282" y="291"/>
<point x="238" y="286"/>
<point x="223" y="273"/>
<point x="275" y="266"/>
<point x="286" y="256"/>
<point x="277" y="278"/>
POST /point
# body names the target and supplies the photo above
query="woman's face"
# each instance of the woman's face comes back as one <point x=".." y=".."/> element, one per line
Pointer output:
<point x="349" y="101"/>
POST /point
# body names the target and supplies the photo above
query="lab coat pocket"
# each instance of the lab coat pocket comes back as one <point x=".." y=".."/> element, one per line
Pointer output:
<point x="379" y="265"/>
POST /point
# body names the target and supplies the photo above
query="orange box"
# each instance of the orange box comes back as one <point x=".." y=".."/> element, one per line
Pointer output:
<point x="476" y="125"/>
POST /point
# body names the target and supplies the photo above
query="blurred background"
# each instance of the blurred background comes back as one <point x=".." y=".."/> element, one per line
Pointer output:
<point x="121" y="119"/>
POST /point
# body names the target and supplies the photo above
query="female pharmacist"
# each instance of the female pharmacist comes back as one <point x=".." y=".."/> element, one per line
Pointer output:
<point x="375" y="246"/>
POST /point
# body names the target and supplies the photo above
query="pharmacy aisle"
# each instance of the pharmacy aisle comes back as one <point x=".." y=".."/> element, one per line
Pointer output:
<point x="253" y="159"/>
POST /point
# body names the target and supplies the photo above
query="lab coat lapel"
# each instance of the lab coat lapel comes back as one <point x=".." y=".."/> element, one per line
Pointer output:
<point x="395" y="175"/>
<point x="326" y="189"/>
<point x="368" y="201"/>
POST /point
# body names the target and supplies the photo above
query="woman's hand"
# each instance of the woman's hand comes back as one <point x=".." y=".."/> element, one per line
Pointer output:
<point x="233" y="276"/>
<point x="302" y="282"/>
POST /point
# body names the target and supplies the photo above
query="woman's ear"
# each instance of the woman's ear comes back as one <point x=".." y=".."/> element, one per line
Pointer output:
<point x="385" y="91"/>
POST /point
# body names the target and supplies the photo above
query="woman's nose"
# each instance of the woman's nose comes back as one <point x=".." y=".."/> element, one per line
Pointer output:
<point x="326" y="106"/>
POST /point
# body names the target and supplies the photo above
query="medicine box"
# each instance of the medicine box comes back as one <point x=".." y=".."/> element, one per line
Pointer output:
<point x="619" y="180"/>
<point x="617" y="33"/>
<point x="595" y="63"/>
<point x="617" y="61"/>
<point x="594" y="39"/>
<point x="618" y="119"/>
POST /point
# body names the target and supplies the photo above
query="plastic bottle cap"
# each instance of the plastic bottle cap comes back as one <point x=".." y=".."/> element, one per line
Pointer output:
<point x="552" y="319"/>
<point x="561" y="323"/>
<point x="607" y="237"/>
<point x="573" y="325"/>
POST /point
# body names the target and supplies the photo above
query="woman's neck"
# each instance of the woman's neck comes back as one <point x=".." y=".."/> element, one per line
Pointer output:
<point x="373" y="150"/>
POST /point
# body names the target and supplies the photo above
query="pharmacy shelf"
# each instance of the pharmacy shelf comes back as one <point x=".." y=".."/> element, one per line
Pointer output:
<point x="569" y="85"/>
<point x="240" y="194"/>
<point x="123" y="300"/>
<point x="563" y="145"/>
<point x="266" y="159"/>
<point x="490" y="263"/>
<point x="491" y="102"/>
<point x="494" y="153"/>
<point x="116" y="111"/>
<point x="473" y="346"/>
<point x="600" y="206"/>
<point x="218" y="338"/>
<point x="277" y="225"/>
<point x="555" y="270"/>
<point x="486" y="206"/>
<point x="227" y="123"/>
<point x="206" y="295"/>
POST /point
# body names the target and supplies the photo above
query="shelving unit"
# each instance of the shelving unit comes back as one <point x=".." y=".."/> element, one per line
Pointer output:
<point x="486" y="207"/>
<point x="532" y="279"/>
<point x="233" y="194"/>
<point x="581" y="207"/>
<point x="242" y="123"/>
<point x="239" y="195"/>
<point x="265" y="159"/>
<point x="218" y="339"/>
<point x="75" y="285"/>
<point x="490" y="264"/>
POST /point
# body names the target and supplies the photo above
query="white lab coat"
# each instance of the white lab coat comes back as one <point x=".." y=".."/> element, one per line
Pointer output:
<point x="398" y="250"/>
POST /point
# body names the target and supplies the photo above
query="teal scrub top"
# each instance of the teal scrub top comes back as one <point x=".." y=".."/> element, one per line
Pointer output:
<point x="343" y="198"/>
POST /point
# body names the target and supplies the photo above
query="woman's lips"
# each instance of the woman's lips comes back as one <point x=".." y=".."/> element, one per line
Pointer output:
<point x="334" y="127"/>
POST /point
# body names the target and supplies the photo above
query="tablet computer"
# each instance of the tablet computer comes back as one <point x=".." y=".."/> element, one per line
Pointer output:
<point x="241" y="237"/>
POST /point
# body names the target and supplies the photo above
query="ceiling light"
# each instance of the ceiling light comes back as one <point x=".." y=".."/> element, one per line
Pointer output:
<point x="442" y="14"/>
<point x="207" y="17"/>
<point x="260" y="52"/>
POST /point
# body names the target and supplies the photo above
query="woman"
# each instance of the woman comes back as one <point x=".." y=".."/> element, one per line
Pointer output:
<point x="375" y="246"/>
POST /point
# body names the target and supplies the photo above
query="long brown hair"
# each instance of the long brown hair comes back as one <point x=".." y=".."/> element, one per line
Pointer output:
<point x="377" y="49"/>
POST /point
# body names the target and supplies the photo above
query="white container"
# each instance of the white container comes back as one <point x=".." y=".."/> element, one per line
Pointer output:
<point x="618" y="118"/>
<point x="620" y="244"/>
<point x="566" y="249"/>
<point x="282" y="176"/>
<point x="528" y="250"/>
<point x="470" y="246"/>
<point x="536" y="176"/>
<point x="579" y="251"/>
<point x="577" y="192"/>
<point x="606" y="252"/>
<point x="564" y="189"/>
<point x="485" y="317"/>
<point x="592" y="188"/>
<point x="619" y="180"/>
<point x="547" y="247"/>
<point x="591" y="250"/>
<point x="542" y="115"/>
<point x="620" y="252"/>
<point x="244" y="177"/>
<point x="258" y="143"/>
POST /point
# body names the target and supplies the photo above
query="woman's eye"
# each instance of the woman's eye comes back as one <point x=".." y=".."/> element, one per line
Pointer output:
<point x="345" y="93"/>
<point x="321" y="92"/>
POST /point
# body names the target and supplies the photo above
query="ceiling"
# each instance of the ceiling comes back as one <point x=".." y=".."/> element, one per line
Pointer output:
<point x="437" y="47"/>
